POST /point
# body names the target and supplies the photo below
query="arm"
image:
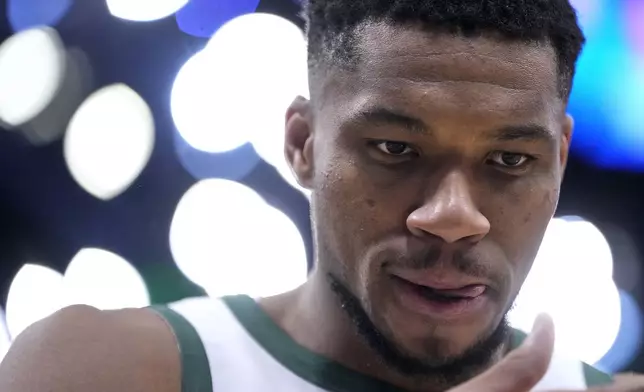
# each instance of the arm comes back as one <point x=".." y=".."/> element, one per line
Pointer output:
<point x="81" y="349"/>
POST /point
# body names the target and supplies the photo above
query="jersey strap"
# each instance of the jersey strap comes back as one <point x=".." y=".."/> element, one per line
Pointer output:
<point x="195" y="369"/>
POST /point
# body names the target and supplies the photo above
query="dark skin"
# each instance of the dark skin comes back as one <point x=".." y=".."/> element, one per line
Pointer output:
<point x="451" y="196"/>
<point x="433" y="144"/>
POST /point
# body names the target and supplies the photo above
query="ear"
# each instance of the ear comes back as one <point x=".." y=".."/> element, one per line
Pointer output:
<point x="298" y="141"/>
<point x="566" y="137"/>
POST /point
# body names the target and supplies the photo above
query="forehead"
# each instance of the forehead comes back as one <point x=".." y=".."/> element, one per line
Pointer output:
<point x="442" y="74"/>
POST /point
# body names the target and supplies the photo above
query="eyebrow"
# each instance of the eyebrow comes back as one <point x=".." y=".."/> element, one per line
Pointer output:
<point x="384" y="116"/>
<point x="529" y="132"/>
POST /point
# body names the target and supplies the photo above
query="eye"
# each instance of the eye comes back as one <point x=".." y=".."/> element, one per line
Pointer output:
<point x="394" y="148"/>
<point x="510" y="160"/>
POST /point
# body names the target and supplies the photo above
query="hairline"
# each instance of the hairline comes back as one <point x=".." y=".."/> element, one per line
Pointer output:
<point x="326" y="57"/>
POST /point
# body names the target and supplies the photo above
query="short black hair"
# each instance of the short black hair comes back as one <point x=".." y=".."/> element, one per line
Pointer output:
<point x="331" y="25"/>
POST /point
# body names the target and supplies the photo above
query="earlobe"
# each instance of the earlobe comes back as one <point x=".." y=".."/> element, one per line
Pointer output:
<point x="566" y="138"/>
<point x="298" y="141"/>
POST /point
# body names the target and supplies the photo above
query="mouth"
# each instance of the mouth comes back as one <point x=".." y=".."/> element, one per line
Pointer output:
<point x="449" y="295"/>
<point x="442" y="302"/>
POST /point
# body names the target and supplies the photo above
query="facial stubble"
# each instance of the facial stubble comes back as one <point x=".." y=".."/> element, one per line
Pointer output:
<point x="441" y="370"/>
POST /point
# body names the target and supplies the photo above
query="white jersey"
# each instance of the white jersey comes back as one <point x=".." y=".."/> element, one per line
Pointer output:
<point x="232" y="345"/>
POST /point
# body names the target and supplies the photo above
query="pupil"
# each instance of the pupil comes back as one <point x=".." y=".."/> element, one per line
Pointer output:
<point x="511" y="159"/>
<point x="395" y="148"/>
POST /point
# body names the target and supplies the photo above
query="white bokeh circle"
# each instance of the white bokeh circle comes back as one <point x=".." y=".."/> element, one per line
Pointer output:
<point x="94" y="277"/>
<point x="587" y="243"/>
<point x="35" y="293"/>
<point x="32" y="66"/>
<point x="144" y="10"/>
<point x="5" y="342"/>
<point x="571" y="280"/>
<point x="225" y="238"/>
<point x="109" y="141"/>
<point x="238" y="88"/>
<point x="104" y="280"/>
<point x="195" y="108"/>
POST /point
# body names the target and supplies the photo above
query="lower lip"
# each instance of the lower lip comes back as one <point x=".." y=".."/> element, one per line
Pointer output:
<point x="411" y="299"/>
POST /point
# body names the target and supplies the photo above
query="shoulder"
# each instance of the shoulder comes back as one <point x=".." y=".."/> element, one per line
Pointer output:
<point x="81" y="348"/>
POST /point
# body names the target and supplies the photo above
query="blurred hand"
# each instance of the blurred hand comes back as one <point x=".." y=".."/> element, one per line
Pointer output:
<point x="631" y="382"/>
<point x="523" y="368"/>
<point x="623" y="383"/>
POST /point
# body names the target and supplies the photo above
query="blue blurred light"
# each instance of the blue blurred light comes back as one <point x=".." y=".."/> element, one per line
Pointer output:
<point x="202" y="18"/>
<point x="634" y="15"/>
<point x="607" y="98"/>
<point x="25" y="14"/>
<point x="231" y="165"/>
<point x="629" y="339"/>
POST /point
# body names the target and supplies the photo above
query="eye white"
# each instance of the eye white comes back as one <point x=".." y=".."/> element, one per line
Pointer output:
<point x="394" y="148"/>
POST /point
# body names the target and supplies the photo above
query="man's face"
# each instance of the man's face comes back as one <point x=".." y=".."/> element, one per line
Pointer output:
<point x="435" y="168"/>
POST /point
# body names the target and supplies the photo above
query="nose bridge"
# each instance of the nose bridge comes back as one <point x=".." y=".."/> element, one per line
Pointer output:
<point x="450" y="211"/>
<point x="453" y="193"/>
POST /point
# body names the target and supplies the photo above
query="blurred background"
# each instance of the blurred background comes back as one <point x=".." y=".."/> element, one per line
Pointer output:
<point x="141" y="162"/>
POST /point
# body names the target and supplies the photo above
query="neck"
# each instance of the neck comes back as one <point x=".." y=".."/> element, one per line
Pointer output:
<point x="314" y="307"/>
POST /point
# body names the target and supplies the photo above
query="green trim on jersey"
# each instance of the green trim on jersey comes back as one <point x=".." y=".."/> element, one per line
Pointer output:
<point x="195" y="367"/>
<point x="592" y="376"/>
<point x="310" y="366"/>
<point x="314" y="368"/>
<point x="596" y="378"/>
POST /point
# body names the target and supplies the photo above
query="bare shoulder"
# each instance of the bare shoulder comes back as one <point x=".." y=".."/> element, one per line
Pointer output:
<point x="81" y="348"/>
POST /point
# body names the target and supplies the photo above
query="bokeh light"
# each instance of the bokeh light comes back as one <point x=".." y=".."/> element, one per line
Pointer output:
<point x="585" y="306"/>
<point x="32" y="64"/>
<point x="4" y="336"/>
<point x="26" y="14"/>
<point x="225" y="238"/>
<point x="238" y="88"/>
<point x="35" y="293"/>
<point x="575" y="248"/>
<point x="589" y="12"/>
<point x="94" y="277"/>
<point x="625" y="252"/>
<point x="195" y="105"/>
<point x="629" y="339"/>
<point x="634" y="15"/>
<point x="201" y="18"/>
<point x="109" y="141"/>
<point x="104" y="280"/>
<point x="230" y="165"/>
<point x="144" y="10"/>
<point x="607" y="109"/>
<point x="625" y="103"/>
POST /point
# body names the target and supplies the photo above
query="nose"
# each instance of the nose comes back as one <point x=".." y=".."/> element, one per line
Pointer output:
<point x="450" y="213"/>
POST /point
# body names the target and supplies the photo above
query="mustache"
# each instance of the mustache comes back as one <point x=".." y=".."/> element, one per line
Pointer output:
<point x="465" y="262"/>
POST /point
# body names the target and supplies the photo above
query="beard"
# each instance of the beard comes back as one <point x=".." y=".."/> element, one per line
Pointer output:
<point x="435" y="367"/>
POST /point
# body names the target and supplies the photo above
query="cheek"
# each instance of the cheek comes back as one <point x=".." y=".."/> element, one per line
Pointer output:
<point x="342" y="211"/>
<point x="520" y="225"/>
<point x="352" y="210"/>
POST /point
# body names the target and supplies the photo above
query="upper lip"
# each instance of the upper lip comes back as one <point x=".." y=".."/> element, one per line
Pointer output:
<point x="439" y="280"/>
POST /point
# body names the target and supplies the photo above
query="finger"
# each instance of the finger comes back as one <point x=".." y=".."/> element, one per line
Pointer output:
<point x="523" y="368"/>
<point x="628" y="378"/>
<point x="622" y="383"/>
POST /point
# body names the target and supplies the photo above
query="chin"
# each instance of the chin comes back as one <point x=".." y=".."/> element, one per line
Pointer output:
<point x="423" y="346"/>
<point x="417" y="345"/>
<point x="438" y="345"/>
<point x="422" y="337"/>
